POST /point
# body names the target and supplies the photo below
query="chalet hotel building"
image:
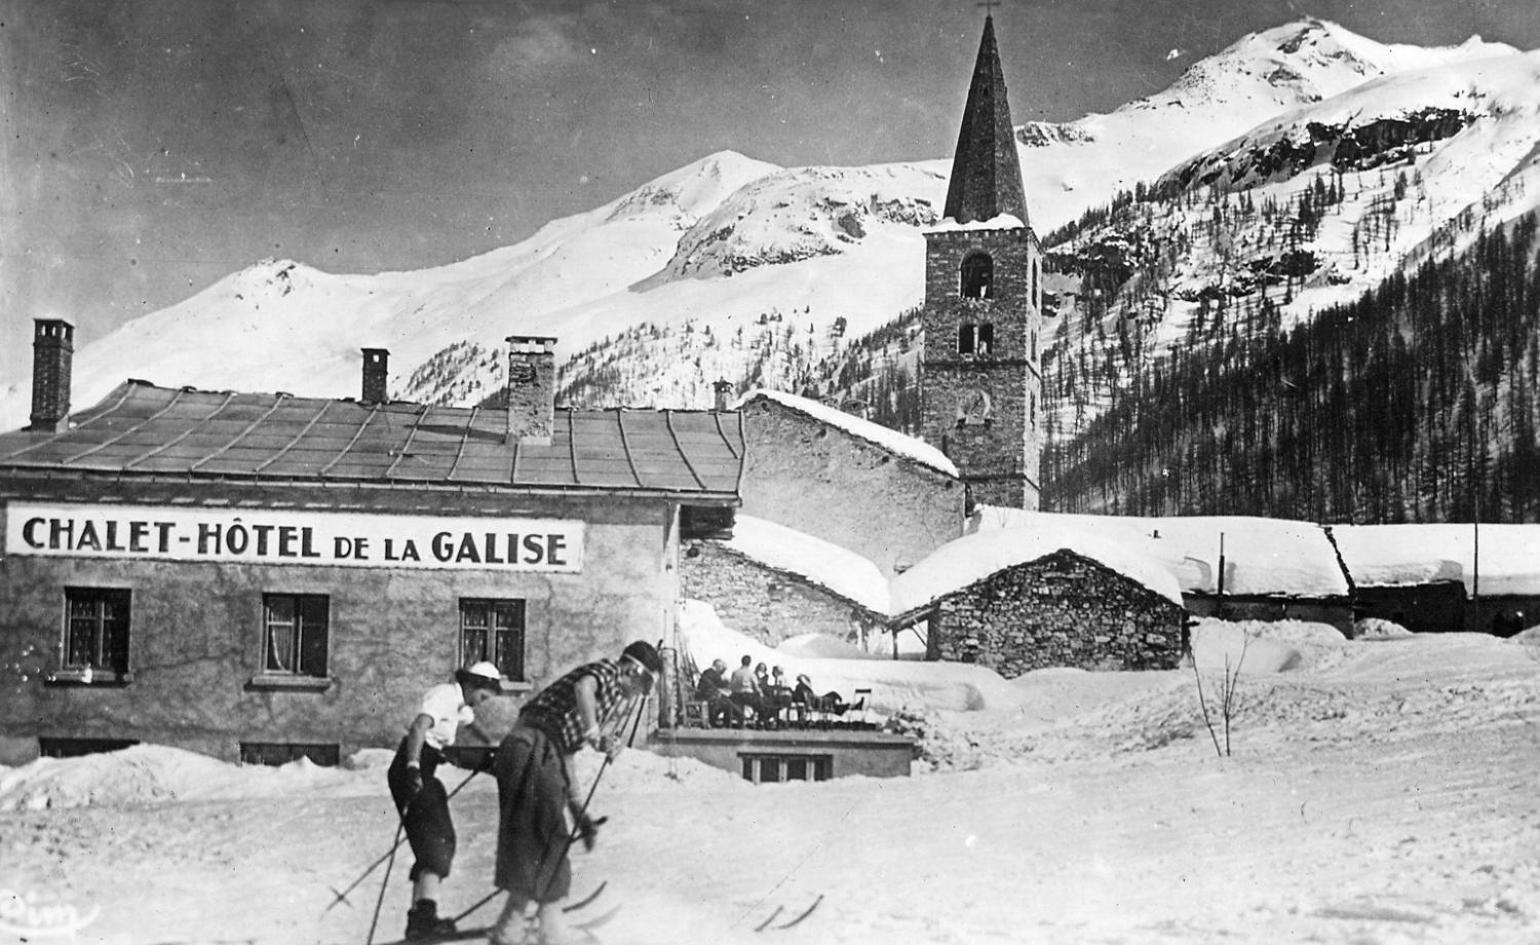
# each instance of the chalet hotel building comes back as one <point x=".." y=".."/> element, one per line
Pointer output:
<point x="261" y="576"/>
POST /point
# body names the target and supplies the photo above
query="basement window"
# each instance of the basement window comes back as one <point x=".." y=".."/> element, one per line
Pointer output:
<point x="274" y="754"/>
<point x="77" y="747"/>
<point x="772" y="769"/>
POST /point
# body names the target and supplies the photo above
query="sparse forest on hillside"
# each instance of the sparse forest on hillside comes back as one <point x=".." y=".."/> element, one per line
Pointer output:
<point x="1416" y="403"/>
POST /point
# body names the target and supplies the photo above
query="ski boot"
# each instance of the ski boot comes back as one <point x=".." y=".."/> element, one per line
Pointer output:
<point x="423" y="922"/>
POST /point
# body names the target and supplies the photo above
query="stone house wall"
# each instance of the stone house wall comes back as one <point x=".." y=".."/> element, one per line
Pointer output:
<point x="1060" y="610"/>
<point x="767" y="604"/>
<point x="823" y="481"/>
<point x="196" y="634"/>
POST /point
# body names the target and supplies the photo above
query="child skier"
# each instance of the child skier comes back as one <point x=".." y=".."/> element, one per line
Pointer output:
<point x="419" y="795"/>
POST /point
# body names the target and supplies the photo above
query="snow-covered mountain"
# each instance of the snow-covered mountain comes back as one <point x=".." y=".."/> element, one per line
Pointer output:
<point x="1080" y="164"/>
<point x="1308" y="209"/>
<point x="707" y="271"/>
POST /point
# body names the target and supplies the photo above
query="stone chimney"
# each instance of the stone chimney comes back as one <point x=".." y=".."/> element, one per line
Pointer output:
<point x="53" y="354"/>
<point x="376" y="376"/>
<point x="724" y="392"/>
<point x="531" y="390"/>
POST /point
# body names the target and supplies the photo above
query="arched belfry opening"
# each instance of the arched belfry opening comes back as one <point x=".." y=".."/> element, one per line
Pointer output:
<point x="977" y="276"/>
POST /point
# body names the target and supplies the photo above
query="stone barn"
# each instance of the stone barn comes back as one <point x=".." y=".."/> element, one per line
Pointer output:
<point x="1440" y="577"/>
<point x="890" y="498"/>
<point x="1018" y="600"/>
<point x="772" y="582"/>
<point x="1234" y="567"/>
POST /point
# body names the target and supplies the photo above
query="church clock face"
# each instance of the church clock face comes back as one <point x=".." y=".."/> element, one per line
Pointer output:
<point x="973" y="405"/>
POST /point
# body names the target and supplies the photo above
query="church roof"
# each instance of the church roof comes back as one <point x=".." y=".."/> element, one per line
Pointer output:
<point x="148" y="432"/>
<point x="986" y="171"/>
<point x="899" y="444"/>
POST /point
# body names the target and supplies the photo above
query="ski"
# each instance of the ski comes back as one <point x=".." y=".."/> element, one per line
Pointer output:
<point x="597" y="921"/>
<point x="770" y="925"/>
<point x="805" y="913"/>
<point x="581" y="903"/>
<point x="768" y="919"/>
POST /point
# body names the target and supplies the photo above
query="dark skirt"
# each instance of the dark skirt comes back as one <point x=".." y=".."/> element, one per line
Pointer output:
<point x="532" y="833"/>
<point x="429" y="830"/>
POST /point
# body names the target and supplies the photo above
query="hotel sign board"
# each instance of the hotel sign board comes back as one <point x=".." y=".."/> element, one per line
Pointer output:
<point x="263" y="536"/>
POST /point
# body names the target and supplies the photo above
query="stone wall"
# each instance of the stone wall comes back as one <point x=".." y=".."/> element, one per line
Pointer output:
<point x="1061" y="610"/>
<point x="766" y="604"/>
<point x="819" y="479"/>
<point x="196" y="637"/>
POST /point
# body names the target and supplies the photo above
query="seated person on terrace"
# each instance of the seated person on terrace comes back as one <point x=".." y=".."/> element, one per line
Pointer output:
<point x="828" y="702"/>
<point x="745" y="690"/>
<point x="712" y="689"/>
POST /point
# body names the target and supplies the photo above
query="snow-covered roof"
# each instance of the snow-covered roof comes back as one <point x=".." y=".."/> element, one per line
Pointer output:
<point x="1004" y="221"/>
<point x="1400" y="555"/>
<point x="1263" y="556"/>
<point x="819" y="562"/>
<point x="971" y="558"/>
<point x="891" y="440"/>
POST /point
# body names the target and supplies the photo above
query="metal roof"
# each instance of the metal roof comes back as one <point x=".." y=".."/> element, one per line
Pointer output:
<point x="143" y="430"/>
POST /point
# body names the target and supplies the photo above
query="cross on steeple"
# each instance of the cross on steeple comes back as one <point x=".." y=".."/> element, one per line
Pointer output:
<point x="989" y="6"/>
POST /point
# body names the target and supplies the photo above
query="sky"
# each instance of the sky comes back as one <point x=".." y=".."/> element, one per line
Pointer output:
<point x="153" y="147"/>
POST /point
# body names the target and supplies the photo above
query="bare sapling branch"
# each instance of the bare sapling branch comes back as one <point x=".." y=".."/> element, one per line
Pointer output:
<point x="1228" y="703"/>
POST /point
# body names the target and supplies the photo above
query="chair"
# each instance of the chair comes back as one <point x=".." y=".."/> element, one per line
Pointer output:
<point x="695" y="714"/>
<point x="863" y="696"/>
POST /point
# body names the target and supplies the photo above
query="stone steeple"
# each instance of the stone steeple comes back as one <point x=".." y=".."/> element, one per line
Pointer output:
<point x="986" y="171"/>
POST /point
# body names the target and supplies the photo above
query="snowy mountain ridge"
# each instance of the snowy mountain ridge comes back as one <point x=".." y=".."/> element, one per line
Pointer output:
<point x="734" y="260"/>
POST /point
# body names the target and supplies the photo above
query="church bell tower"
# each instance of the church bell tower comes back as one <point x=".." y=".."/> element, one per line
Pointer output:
<point x="980" y="369"/>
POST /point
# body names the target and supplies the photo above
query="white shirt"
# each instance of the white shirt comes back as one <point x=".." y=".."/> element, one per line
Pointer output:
<point x="445" y="705"/>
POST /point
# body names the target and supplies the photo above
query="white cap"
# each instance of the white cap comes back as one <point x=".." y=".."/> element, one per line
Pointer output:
<point x="486" y="670"/>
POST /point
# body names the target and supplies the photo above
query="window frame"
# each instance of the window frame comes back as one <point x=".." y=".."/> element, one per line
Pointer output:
<point x="302" y="673"/>
<point x="515" y="664"/>
<point x="109" y="661"/>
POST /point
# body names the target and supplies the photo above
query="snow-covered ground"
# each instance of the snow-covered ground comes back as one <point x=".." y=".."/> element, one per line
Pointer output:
<point x="1380" y="791"/>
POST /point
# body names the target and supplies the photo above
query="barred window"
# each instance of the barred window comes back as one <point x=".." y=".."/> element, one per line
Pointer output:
<point x="96" y="631"/>
<point x="493" y="630"/>
<point x="295" y="634"/>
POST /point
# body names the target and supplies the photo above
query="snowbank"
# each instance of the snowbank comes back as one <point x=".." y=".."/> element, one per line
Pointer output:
<point x="145" y="774"/>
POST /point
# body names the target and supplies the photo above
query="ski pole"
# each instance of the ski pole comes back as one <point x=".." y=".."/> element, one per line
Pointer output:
<point x="635" y="717"/>
<point x="343" y="896"/>
<point x="374" y="920"/>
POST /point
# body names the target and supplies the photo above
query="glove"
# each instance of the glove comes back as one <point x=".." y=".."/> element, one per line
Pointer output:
<point x="610" y="745"/>
<point x="588" y="830"/>
<point x="413" y="784"/>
